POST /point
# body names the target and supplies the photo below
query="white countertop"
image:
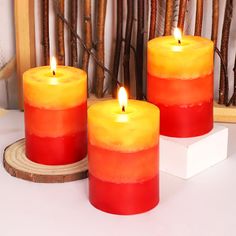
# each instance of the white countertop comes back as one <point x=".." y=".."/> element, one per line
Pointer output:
<point x="202" y="205"/>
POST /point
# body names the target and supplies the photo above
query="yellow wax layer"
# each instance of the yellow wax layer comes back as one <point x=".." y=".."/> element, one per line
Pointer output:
<point x="68" y="88"/>
<point x="135" y="129"/>
<point x="193" y="58"/>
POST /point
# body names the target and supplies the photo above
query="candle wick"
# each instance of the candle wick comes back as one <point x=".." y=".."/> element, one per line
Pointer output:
<point x="53" y="72"/>
<point x="179" y="41"/>
<point x="123" y="108"/>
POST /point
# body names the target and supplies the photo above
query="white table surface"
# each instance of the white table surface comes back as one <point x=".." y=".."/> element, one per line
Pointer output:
<point x="202" y="205"/>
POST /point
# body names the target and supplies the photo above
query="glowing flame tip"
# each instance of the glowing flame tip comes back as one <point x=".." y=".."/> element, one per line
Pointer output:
<point x="178" y="35"/>
<point x="53" y="65"/>
<point x="123" y="98"/>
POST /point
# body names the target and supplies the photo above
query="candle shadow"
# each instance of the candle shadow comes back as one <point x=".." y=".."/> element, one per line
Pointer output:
<point x="169" y="186"/>
<point x="84" y="188"/>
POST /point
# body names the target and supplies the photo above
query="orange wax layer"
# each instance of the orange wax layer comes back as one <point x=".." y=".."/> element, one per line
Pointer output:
<point x="124" y="198"/>
<point x="171" y="91"/>
<point x="123" y="167"/>
<point x="187" y="120"/>
<point x="53" y="123"/>
<point x="56" y="150"/>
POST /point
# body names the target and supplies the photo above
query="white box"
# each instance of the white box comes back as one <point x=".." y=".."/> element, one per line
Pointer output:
<point x="186" y="157"/>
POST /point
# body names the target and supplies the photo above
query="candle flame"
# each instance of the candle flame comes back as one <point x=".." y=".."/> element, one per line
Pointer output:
<point x="53" y="64"/>
<point x="123" y="98"/>
<point x="178" y="35"/>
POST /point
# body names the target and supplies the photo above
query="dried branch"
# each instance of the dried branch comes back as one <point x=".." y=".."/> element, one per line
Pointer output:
<point x="87" y="27"/>
<point x="168" y="16"/>
<point x="91" y="53"/>
<point x="60" y="53"/>
<point x="153" y="19"/>
<point x="233" y="98"/>
<point x="199" y="16"/>
<point x="7" y="94"/>
<point x="45" y="33"/>
<point x="215" y="21"/>
<point x="139" y="50"/>
<point x="128" y="33"/>
<point x="224" y="83"/>
<point x="182" y="10"/>
<point x="79" y="38"/>
<point x="101" y="14"/>
<point x="73" y="40"/>
<point x="7" y="69"/>
<point x="222" y="62"/>
<point x="119" y="30"/>
<point x="160" y="17"/>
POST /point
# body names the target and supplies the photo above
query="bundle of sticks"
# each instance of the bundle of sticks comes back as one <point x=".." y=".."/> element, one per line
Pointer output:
<point x="132" y="33"/>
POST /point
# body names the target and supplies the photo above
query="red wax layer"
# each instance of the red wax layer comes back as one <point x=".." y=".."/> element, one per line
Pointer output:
<point x="124" y="198"/>
<point x="56" y="151"/>
<point x="53" y="123"/>
<point x="116" y="166"/>
<point x="186" y="107"/>
<point x="171" y="91"/>
<point x="56" y="137"/>
<point x="186" y="121"/>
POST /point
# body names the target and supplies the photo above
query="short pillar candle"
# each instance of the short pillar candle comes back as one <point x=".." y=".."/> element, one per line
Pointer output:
<point x="180" y="83"/>
<point x="55" y="104"/>
<point x="123" y="156"/>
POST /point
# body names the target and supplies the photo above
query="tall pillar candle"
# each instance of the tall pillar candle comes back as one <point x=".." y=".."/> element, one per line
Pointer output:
<point x="55" y="104"/>
<point x="180" y="83"/>
<point x="123" y="156"/>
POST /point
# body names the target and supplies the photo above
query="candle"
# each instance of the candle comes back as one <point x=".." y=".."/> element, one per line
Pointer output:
<point x="180" y="83"/>
<point x="123" y="155"/>
<point x="55" y="103"/>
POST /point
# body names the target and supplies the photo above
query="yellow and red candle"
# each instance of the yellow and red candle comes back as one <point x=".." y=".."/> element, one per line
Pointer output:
<point x="180" y="83"/>
<point x="55" y="103"/>
<point x="123" y="144"/>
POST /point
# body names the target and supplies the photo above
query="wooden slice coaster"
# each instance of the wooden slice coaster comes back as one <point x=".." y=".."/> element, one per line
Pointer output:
<point x="18" y="165"/>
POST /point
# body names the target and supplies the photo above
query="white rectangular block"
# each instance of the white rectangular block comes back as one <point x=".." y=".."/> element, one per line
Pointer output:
<point x="186" y="157"/>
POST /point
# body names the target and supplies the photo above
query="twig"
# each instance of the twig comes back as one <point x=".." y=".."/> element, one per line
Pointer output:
<point x="7" y="69"/>
<point x="223" y="63"/>
<point x="168" y="16"/>
<point x="60" y="35"/>
<point x="119" y="30"/>
<point x="45" y="33"/>
<point x="139" y="50"/>
<point x="87" y="27"/>
<point x="153" y="19"/>
<point x="93" y="55"/>
<point x="182" y="10"/>
<point x="100" y="46"/>
<point x="73" y="40"/>
<point x="233" y="98"/>
<point x="7" y="93"/>
<point x="199" y="15"/>
<point x="224" y="83"/>
<point x="215" y="21"/>
<point x="128" y="33"/>
<point x="82" y="43"/>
